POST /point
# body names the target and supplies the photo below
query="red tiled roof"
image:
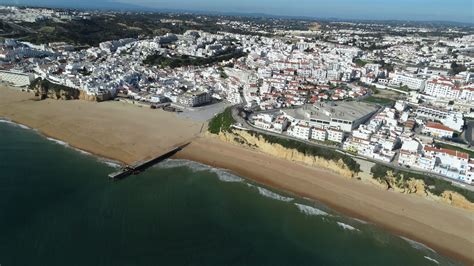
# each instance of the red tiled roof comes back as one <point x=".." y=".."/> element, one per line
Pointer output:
<point x="438" y="126"/>
<point x="447" y="151"/>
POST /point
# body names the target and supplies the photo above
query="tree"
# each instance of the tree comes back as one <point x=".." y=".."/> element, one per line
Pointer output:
<point x="456" y="68"/>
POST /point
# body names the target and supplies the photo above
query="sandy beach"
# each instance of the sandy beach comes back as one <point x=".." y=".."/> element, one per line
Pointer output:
<point x="115" y="130"/>
<point x="128" y="133"/>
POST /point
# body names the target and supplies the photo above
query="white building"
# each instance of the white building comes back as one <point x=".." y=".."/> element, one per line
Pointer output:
<point x="449" y="163"/>
<point x="335" y="135"/>
<point x="454" y="120"/>
<point x="345" y="116"/>
<point x="319" y="134"/>
<point x="438" y="130"/>
<point x="194" y="98"/>
<point x="442" y="88"/>
<point x="409" y="152"/>
<point x="400" y="106"/>
<point x="16" y="79"/>
<point x="301" y="131"/>
<point x="411" y="82"/>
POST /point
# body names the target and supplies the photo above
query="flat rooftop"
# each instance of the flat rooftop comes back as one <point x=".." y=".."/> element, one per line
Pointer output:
<point x="348" y="111"/>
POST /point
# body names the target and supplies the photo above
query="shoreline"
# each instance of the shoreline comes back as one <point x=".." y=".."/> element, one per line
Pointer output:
<point x="444" y="228"/>
<point x="376" y="215"/>
<point x="350" y="213"/>
<point x="65" y="144"/>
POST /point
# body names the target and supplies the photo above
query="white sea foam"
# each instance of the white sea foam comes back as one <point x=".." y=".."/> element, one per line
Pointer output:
<point x="225" y="176"/>
<point x="57" y="141"/>
<point x="111" y="163"/>
<point x="80" y="151"/>
<point x="417" y="245"/>
<point x="7" y="122"/>
<point x="360" y="221"/>
<point x="347" y="227"/>
<point x="194" y="166"/>
<point x="13" y="123"/>
<point x="65" y="144"/>
<point x="308" y="210"/>
<point x="431" y="259"/>
<point x="222" y="174"/>
<point x="273" y="195"/>
<point x="23" y="126"/>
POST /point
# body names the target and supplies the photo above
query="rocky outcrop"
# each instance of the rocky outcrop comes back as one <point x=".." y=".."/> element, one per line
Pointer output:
<point x="277" y="150"/>
<point x="389" y="182"/>
<point x="46" y="89"/>
<point x="457" y="200"/>
<point x="418" y="187"/>
<point x="95" y="98"/>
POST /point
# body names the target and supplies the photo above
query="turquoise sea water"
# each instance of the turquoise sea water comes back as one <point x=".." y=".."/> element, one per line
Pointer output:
<point x="58" y="207"/>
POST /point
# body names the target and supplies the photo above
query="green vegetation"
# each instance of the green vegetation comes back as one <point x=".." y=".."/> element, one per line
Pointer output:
<point x="222" y="73"/>
<point x="456" y="68"/>
<point x="404" y="88"/>
<point x="221" y="122"/>
<point x="46" y="29"/>
<point x="379" y="100"/>
<point x="435" y="185"/>
<point x="455" y="148"/>
<point x="164" y="61"/>
<point x="360" y="62"/>
<point x="374" y="89"/>
<point x="326" y="153"/>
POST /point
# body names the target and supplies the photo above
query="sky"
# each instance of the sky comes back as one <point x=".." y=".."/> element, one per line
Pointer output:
<point x="439" y="10"/>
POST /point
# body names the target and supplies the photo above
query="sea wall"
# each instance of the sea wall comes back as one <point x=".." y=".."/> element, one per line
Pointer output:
<point x="258" y="143"/>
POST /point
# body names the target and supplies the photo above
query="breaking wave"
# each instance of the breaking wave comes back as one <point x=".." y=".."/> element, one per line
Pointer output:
<point x="273" y="195"/>
<point x="417" y="245"/>
<point x="308" y="210"/>
<point x="222" y="174"/>
<point x="361" y="221"/>
<point x="431" y="259"/>
<point x="347" y="227"/>
<point x="57" y="141"/>
<point x="110" y="163"/>
<point x="13" y="123"/>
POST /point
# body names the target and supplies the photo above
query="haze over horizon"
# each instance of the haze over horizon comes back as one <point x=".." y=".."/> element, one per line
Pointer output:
<point x="422" y="10"/>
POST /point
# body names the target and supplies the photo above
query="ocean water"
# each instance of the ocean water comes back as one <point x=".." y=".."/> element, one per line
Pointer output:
<point x="58" y="207"/>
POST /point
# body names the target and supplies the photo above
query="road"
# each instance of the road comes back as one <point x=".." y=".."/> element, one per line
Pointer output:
<point x="247" y="125"/>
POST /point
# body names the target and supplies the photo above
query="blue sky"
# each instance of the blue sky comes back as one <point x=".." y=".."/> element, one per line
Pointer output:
<point x="452" y="10"/>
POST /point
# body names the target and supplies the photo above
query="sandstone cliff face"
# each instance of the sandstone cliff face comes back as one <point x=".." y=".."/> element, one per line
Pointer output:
<point x="406" y="186"/>
<point x="456" y="199"/>
<point x="45" y="89"/>
<point x="277" y="150"/>
<point x="418" y="187"/>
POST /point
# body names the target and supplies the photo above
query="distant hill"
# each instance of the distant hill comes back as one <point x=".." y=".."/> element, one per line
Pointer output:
<point x="112" y="5"/>
<point x="82" y="4"/>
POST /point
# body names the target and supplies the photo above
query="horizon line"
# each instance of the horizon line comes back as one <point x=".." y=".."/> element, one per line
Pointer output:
<point x="139" y="8"/>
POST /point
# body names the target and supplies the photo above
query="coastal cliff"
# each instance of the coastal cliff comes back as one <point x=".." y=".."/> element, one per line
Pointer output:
<point x="45" y="89"/>
<point x="440" y="191"/>
<point x="410" y="185"/>
<point x="259" y="143"/>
